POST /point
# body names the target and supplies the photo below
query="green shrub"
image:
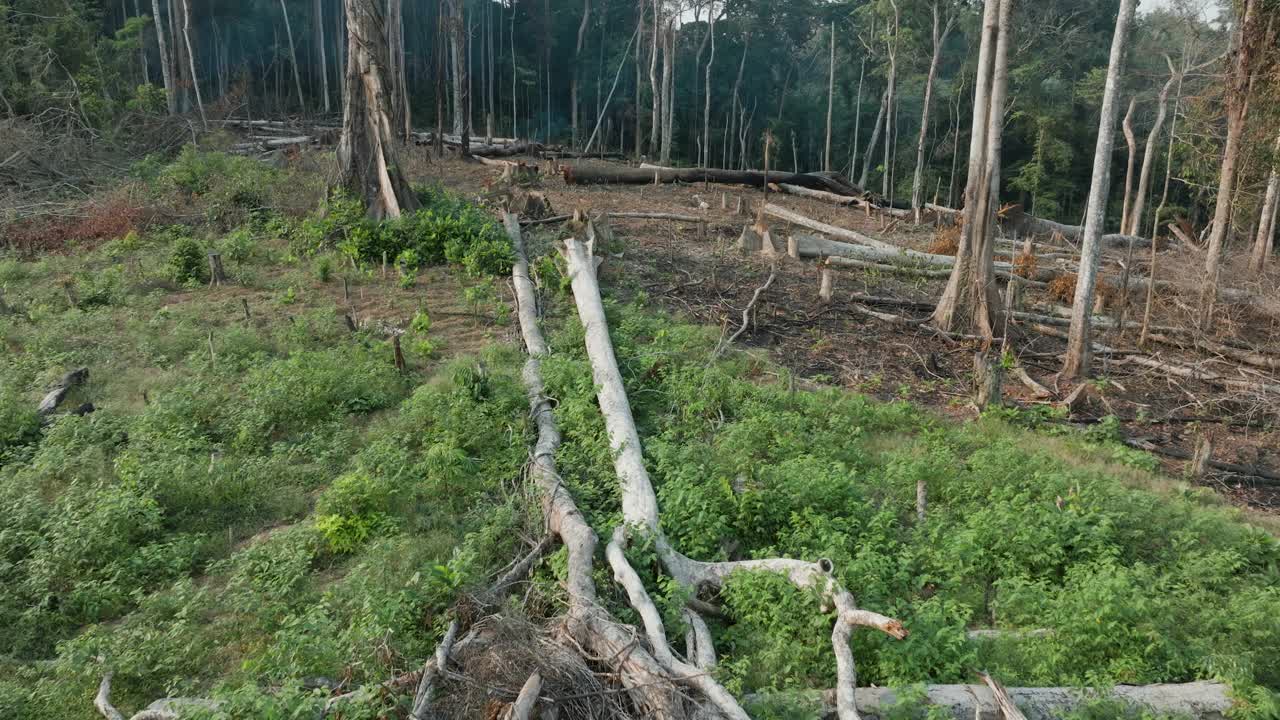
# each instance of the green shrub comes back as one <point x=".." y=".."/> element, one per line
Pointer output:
<point x="19" y="425"/>
<point x="187" y="261"/>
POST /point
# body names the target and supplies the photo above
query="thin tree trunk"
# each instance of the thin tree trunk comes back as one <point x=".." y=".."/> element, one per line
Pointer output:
<point x="459" y="62"/>
<point x="1131" y="141"/>
<point x="577" y="63"/>
<point x="367" y="157"/>
<point x="321" y="55"/>
<point x="886" y="180"/>
<point x="1149" y="154"/>
<point x="738" y="105"/>
<point x="706" y="103"/>
<point x="857" y="118"/>
<point x="1240" y="85"/>
<point x="293" y="55"/>
<point x="831" y="93"/>
<point x="655" y="124"/>
<point x="639" y="139"/>
<point x="881" y="120"/>
<point x="1262" y="244"/>
<point x="191" y="60"/>
<point x="1080" y="342"/>
<point x="668" y="90"/>
<point x="166" y="61"/>
<point x="939" y="39"/>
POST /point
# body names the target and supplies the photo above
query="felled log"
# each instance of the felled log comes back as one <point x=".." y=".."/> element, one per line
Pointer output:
<point x="1024" y="224"/>
<point x="822" y="195"/>
<point x="596" y="174"/>
<point x="59" y="391"/>
<point x="1263" y="475"/>
<point x="1198" y="700"/>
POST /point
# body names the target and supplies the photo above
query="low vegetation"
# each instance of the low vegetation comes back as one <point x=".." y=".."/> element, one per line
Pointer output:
<point x="261" y="508"/>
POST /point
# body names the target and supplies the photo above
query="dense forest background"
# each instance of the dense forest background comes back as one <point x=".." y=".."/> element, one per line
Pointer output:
<point x="548" y="71"/>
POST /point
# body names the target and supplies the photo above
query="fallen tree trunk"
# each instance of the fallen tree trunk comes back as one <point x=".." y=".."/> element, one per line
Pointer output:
<point x="648" y="684"/>
<point x="596" y="174"/>
<point x="58" y="393"/>
<point x="1267" y="477"/>
<point x="640" y="515"/>
<point x="1198" y="700"/>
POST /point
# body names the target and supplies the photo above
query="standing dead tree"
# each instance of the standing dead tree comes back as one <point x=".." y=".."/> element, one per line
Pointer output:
<point x="939" y="39"/>
<point x="970" y="298"/>
<point x="1079" y="343"/>
<point x="367" y="157"/>
<point x="1251" y="39"/>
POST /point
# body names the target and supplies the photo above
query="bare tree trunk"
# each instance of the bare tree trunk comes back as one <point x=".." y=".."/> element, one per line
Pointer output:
<point x="1149" y="154"/>
<point x="857" y="118"/>
<point x="668" y="90"/>
<point x="891" y="98"/>
<point x="320" y="53"/>
<point x="738" y="105"/>
<point x="958" y="307"/>
<point x="166" y="60"/>
<point x="458" y="59"/>
<point x="401" y="121"/>
<point x="1263" y="243"/>
<point x="939" y="39"/>
<point x="293" y="56"/>
<point x="831" y="93"/>
<point x="706" y="103"/>
<point x="191" y="60"/>
<point x="655" y="123"/>
<point x="1132" y="143"/>
<point x="881" y="120"/>
<point x="1080" y="342"/>
<point x="577" y="63"/>
<point x="639" y="80"/>
<point x="1240" y="81"/>
<point x="367" y="158"/>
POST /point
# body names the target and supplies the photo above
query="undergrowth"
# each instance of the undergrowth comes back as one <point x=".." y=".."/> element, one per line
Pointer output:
<point x="261" y="505"/>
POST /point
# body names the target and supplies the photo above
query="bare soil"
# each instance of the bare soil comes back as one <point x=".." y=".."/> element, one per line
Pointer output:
<point x="710" y="281"/>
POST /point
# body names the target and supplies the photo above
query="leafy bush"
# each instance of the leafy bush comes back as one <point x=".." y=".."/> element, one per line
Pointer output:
<point x="19" y="425"/>
<point x="187" y="261"/>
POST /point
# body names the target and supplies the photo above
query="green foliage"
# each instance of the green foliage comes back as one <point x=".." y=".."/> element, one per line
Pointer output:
<point x="19" y="425"/>
<point x="226" y="181"/>
<point x="1126" y="585"/>
<point x="187" y="261"/>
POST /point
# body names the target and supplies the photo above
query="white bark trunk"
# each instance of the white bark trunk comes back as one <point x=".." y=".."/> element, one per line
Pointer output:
<point x="1079" y="343"/>
<point x="1132" y="143"/>
<point x="191" y="60"/>
<point x="166" y="60"/>
<point x="939" y="38"/>
<point x="1149" y="154"/>
<point x="293" y="56"/>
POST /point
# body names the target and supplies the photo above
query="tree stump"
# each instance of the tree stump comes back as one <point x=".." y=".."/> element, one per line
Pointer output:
<point x="750" y="241"/>
<point x="1200" y="461"/>
<point x="1013" y="296"/>
<point x="793" y="247"/>
<point x="245" y="304"/>
<point x="216" y="274"/>
<point x="399" y="354"/>
<point x="987" y="376"/>
<point x="824" y="284"/>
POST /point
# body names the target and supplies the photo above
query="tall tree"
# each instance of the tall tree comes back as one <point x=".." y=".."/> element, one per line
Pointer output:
<point x="367" y="158"/>
<point x="293" y="55"/>
<point x="1264" y="242"/>
<point x="970" y="298"/>
<point x="166" y="60"/>
<point x="575" y="73"/>
<point x="1251" y="38"/>
<point x="831" y="93"/>
<point x="191" y="60"/>
<point x="706" y="104"/>
<point x="1080" y="341"/>
<point x="318" y="21"/>
<point x="941" y="29"/>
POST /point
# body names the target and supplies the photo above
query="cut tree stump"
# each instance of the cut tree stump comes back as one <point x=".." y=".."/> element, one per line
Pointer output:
<point x="216" y="274"/>
<point x="987" y="378"/>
